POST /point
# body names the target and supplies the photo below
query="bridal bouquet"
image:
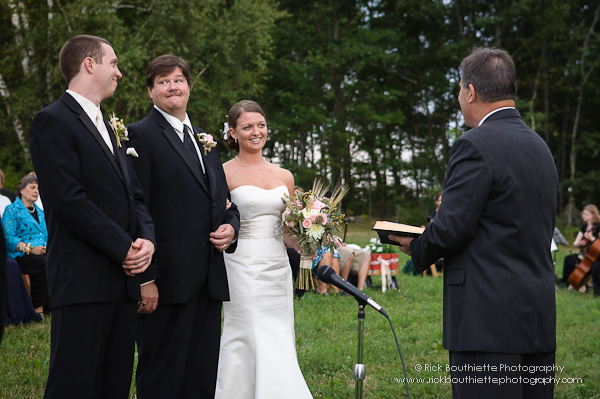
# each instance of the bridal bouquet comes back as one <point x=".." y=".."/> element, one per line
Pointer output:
<point x="312" y="219"/>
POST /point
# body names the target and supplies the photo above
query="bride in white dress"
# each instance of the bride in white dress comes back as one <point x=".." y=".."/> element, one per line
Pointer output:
<point x="258" y="347"/>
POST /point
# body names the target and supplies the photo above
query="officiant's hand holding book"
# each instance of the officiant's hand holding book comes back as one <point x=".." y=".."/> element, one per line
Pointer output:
<point x="384" y="229"/>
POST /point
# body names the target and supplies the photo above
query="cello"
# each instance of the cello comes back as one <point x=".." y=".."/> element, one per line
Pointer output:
<point x="581" y="274"/>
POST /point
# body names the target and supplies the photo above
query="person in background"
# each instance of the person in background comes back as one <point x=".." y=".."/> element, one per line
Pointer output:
<point x="19" y="309"/>
<point x="356" y="260"/>
<point x="26" y="238"/>
<point x="5" y="200"/>
<point x="324" y="256"/>
<point x="438" y="201"/>
<point x="589" y="232"/>
<point x="3" y="275"/>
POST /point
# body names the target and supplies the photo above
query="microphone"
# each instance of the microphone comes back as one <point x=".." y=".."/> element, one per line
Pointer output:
<point x="327" y="275"/>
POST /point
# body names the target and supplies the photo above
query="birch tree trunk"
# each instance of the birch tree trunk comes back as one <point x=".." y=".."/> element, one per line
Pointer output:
<point x="585" y="77"/>
<point x="15" y="120"/>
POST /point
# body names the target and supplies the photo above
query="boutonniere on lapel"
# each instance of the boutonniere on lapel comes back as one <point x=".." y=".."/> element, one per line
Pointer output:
<point x="207" y="141"/>
<point x="118" y="127"/>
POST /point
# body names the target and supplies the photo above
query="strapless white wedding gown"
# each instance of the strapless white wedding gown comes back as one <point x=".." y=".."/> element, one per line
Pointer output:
<point x="258" y="347"/>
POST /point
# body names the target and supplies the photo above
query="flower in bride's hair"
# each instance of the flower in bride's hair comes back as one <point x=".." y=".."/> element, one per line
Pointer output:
<point x="225" y="130"/>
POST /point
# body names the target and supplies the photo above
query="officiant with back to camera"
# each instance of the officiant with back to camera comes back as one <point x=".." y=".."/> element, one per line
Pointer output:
<point x="493" y="230"/>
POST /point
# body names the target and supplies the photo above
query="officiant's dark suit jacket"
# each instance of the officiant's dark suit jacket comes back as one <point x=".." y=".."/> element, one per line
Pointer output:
<point x="93" y="205"/>
<point x="494" y="229"/>
<point x="185" y="208"/>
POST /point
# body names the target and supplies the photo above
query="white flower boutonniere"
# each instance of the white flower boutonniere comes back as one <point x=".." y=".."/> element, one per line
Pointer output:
<point x="119" y="128"/>
<point x="207" y="141"/>
<point x="131" y="151"/>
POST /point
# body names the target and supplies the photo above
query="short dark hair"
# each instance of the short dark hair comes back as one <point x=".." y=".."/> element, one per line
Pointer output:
<point x="492" y="73"/>
<point x="76" y="49"/>
<point x="234" y="114"/>
<point x="165" y="64"/>
<point x="24" y="182"/>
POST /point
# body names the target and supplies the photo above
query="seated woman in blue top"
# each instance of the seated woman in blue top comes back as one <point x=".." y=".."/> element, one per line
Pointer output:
<point x="26" y="238"/>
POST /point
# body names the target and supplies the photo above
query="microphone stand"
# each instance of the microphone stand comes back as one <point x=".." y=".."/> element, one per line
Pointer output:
<point x="359" y="367"/>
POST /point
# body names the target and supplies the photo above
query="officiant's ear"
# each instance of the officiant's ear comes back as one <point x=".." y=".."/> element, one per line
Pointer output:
<point x="472" y="93"/>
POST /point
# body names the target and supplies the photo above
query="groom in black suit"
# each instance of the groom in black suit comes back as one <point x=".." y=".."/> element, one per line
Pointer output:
<point x="182" y="291"/>
<point x="100" y="233"/>
<point x="493" y="230"/>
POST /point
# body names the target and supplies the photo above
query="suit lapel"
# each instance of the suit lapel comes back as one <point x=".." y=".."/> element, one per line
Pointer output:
<point x="177" y="144"/>
<point x="119" y="155"/>
<point x="205" y="160"/>
<point x="93" y="130"/>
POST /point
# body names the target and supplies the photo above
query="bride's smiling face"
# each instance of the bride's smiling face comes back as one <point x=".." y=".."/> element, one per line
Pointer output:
<point x="251" y="131"/>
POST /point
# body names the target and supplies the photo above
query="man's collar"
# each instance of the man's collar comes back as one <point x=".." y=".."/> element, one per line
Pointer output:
<point x="175" y="122"/>
<point x="493" y="112"/>
<point x="88" y="106"/>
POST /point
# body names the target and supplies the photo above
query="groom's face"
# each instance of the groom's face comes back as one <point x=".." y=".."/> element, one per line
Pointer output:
<point x="170" y="92"/>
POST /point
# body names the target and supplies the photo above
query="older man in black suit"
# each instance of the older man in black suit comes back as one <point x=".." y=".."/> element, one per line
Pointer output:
<point x="186" y="192"/>
<point x="494" y="229"/>
<point x="100" y="233"/>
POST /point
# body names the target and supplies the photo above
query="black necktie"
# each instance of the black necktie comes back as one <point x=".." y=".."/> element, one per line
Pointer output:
<point x="187" y="140"/>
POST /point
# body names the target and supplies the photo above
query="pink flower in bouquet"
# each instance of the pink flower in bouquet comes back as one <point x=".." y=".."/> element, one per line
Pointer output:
<point x="318" y="205"/>
<point x="319" y="218"/>
<point x="306" y="223"/>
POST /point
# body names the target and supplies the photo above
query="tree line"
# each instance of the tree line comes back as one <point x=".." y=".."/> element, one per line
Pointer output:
<point x="362" y="92"/>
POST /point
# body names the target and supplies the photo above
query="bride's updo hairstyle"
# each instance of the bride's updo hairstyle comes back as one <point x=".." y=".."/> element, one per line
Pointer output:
<point x="233" y="116"/>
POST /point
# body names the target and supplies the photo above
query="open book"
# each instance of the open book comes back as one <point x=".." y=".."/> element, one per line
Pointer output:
<point x="384" y="229"/>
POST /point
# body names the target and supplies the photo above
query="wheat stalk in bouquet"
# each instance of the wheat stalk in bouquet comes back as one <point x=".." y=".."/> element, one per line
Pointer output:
<point x="312" y="219"/>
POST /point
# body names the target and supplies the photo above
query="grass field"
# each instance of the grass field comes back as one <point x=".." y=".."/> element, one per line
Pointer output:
<point x="326" y="336"/>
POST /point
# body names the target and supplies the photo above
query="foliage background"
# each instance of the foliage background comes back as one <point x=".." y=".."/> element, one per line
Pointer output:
<point x="359" y="91"/>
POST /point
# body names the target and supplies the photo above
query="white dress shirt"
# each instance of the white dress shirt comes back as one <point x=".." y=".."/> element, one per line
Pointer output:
<point x="95" y="115"/>
<point x="178" y="127"/>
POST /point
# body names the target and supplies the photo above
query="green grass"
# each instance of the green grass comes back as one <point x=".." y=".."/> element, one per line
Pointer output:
<point x="326" y="336"/>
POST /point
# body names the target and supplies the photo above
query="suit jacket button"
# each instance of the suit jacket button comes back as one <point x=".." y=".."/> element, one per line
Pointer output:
<point x="213" y="204"/>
